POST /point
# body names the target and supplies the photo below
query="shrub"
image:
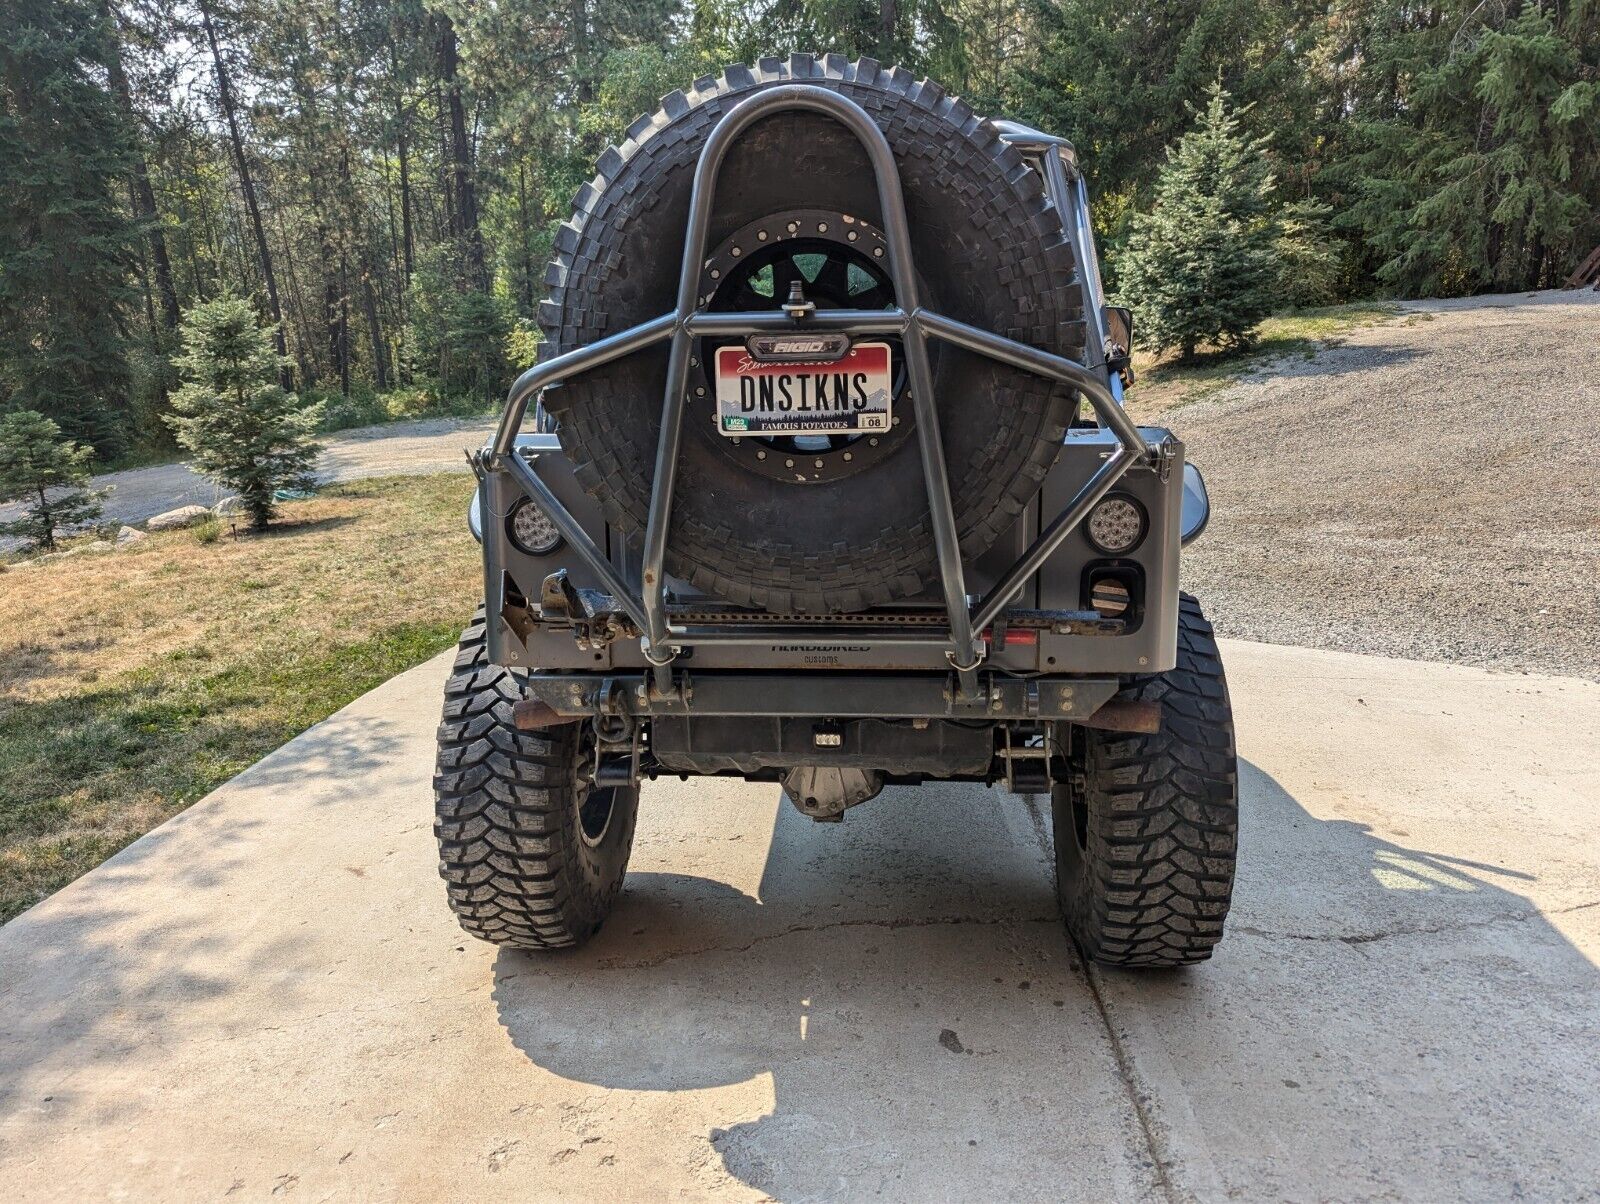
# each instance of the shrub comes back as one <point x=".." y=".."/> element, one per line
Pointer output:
<point x="48" y="474"/>
<point x="241" y="428"/>
<point x="410" y="401"/>
<point x="522" y="346"/>
<point x="340" y="413"/>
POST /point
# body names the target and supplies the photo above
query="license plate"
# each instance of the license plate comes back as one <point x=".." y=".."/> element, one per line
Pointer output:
<point x="848" y="396"/>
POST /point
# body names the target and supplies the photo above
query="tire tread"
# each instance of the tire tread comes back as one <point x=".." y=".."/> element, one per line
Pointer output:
<point x="1163" y="818"/>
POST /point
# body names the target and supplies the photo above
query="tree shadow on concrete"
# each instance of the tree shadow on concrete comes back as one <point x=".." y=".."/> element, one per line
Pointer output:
<point x="1388" y="1018"/>
<point x="89" y="976"/>
<point x="925" y="1023"/>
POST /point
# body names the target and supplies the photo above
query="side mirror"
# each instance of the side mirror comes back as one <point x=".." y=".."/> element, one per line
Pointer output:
<point x="1119" y="325"/>
<point x="1119" y="341"/>
<point x="1196" y="512"/>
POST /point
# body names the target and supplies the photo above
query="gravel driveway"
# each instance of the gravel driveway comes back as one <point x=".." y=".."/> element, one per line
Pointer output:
<point x="398" y="448"/>
<point x="1427" y="489"/>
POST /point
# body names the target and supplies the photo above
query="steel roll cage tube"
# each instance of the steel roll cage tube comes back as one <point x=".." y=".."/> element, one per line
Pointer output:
<point x="965" y="654"/>
<point x="854" y="321"/>
<point x="1071" y="196"/>
<point x="908" y="319"/>
<point x="562" y="367"/>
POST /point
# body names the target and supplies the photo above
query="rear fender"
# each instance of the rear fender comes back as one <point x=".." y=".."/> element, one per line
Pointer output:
<point x="1196" y="511"/>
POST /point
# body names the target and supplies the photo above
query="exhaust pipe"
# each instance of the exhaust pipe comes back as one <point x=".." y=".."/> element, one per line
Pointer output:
<point x="535" y="714"/>
<point x="1127" y="715"/>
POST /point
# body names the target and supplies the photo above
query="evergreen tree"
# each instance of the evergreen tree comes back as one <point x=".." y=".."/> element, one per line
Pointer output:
<point x="241" y="428"/>
<point x="1307" y="253"/>
<point x="48" y="474"/>
<point x="473" y="350"/>
<point x="1473" y="164"/>
<point x="66" y="243"/>
<point x="1117" y="79"/>
<point x="1199" y="266"/>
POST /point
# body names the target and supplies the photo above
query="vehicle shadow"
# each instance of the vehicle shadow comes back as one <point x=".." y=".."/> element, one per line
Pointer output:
<point x="928" y="1033"/>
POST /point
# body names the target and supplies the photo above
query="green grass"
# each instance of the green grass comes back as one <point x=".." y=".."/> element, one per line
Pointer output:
<point x="158" y="740"/>
<point x="1164" y="382"/>
<point x="202" y="658"/>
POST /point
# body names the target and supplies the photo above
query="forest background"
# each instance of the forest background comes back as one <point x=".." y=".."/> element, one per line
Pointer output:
<point x="383" y="179"/>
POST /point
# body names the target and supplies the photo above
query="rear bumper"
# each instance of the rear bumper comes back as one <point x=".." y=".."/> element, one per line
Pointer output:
<point x="897" y="639"/>
<point x="838" y="695"/>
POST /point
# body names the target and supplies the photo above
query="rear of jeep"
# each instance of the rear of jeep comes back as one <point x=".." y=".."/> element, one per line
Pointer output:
<point x="829" y="485"/>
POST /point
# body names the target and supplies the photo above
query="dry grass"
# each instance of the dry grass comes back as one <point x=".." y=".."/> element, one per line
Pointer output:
<point x="1164" y="382"/>
<point x="133" y="682"/>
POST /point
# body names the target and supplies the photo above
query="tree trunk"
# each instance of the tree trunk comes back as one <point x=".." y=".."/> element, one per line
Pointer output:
<point x="144" y="197"/>
<point x="402" y="146"/>
<point x="527" y="250"/>
<point x="236" y="139"/>
<point x="330" y="291"/>
<point x="380" y="352"/>
<point x="144" y="274"/>
<point x="303" y="342"/>
<point x="466" y="196"/>
<point x="367" y="262"/>
<point x="49" y="521"/>
<point x="344" y="324"/>
<point x="888" y="18"/>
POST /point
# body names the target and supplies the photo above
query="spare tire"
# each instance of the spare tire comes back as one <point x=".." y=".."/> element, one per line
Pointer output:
<point x="791" y="525"/>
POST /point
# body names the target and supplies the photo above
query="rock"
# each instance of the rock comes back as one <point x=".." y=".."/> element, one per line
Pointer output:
<point x="183" y="516"/>
<point x="127" y="535"/>
<point x="228" y="506"/>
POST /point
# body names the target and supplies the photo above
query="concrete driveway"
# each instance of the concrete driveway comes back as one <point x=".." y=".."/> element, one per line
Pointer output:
<point x="266" y="997"/>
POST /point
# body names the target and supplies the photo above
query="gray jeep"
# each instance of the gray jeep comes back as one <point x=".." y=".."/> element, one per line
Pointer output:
<point x="829" y="485"/>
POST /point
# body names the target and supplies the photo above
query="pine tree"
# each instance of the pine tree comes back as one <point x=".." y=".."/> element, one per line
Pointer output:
<point x="1474" y="129"/>
<point x="1199" y="266"/>
<point x="241" y="428"/>
<point x="1307" y="254"/>
<point x="66" y="243"/>
<point x="48" y="474"/>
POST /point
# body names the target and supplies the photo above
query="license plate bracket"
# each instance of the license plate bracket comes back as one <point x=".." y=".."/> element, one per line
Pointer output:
<point x="852" y="395"/>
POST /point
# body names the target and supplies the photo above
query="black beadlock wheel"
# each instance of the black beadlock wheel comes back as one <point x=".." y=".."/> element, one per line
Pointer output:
<point x="989" y="250"/>
<point x="532" y="855"/>
<point x="1147" y="826"/>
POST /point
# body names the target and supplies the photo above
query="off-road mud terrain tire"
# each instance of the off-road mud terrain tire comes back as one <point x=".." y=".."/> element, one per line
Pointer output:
<point x="1146" y="839"/>
<point x="989" y="249"/>
<point x="512" y="849"/>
